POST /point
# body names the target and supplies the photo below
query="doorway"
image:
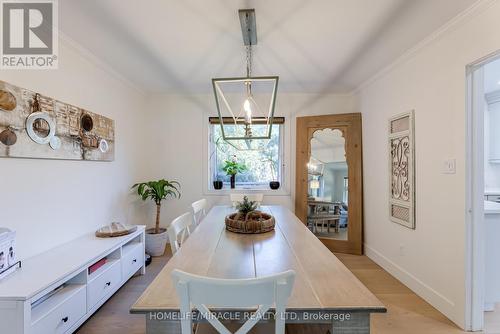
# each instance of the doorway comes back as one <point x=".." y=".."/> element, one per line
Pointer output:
<point x="328" y="188"/>
<point x="483" y="194"/>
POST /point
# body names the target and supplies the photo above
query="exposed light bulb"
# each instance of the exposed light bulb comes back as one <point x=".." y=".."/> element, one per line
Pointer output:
<point x="248" y="111"/>
<point x="314" y="184"/>
<point x="311" y="166"/>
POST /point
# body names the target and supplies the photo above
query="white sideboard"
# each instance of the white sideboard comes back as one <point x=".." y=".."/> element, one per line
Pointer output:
<point x="53" y="292"/>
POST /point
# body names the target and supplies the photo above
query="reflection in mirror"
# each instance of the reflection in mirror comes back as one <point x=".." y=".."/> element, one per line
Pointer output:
<point x="328" y="185"/>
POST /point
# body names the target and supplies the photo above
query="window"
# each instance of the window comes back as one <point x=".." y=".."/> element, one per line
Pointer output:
<point x="263" y="165"/>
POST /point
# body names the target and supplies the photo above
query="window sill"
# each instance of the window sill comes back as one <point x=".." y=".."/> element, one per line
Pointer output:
<point x="239" y="190"/>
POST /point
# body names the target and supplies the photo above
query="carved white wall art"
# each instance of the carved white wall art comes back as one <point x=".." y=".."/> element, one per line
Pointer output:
<point x="402" y="170"/>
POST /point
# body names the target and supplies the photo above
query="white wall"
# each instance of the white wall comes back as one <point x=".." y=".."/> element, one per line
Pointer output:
<point x="328" y="184"/>
<point x="179" y="135"/>
<point x="49" y="202"/>
<point x="491" y="84"/>
<point x="340" y="176"/>
<point x="491" y="170"/>
<point x="431" y="80"/>
<point x="492" y="76"/>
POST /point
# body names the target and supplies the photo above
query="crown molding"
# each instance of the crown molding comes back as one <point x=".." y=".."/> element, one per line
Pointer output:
<point x="98" y="62"/>
<point x="475" y="9"/>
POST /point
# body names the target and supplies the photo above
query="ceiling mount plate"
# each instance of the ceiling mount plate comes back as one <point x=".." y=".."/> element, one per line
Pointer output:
<point x="248" y="26"/>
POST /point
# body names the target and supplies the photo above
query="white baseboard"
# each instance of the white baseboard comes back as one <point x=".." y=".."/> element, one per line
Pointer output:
<point x="437" y="300"/>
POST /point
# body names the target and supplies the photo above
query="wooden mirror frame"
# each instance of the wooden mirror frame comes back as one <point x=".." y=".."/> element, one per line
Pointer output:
<point x="350" y="125"/>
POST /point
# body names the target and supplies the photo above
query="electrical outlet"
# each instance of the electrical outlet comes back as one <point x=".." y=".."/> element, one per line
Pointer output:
<point x="450" y="166"/>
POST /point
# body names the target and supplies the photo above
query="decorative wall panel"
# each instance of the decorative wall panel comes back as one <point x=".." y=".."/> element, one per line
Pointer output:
<point x="402" y="170"/>
<point x="37" y="126"/>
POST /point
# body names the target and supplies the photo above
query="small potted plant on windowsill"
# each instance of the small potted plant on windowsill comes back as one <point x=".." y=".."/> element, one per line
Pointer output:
<point x="157" y="191"/>
<point x="274" y="184"/>
<point x="217" y="183"/>
<point x="232" y="167"/>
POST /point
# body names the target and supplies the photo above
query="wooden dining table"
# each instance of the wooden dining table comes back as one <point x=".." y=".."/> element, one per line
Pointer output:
<point x="325" y="291"/>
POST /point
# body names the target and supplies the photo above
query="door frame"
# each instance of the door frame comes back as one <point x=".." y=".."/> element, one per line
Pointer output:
<point x="474" y="185"/>
<point x="351" y="123"/>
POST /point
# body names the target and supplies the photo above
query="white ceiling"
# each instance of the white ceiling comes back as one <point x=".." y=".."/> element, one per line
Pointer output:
<point x="318" y="46"/>
<point x="328" y="145"/>
<point x="327" y="138"/>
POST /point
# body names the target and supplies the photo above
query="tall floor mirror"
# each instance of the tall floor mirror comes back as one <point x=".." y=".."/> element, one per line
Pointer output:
<point x="328" y="194"/>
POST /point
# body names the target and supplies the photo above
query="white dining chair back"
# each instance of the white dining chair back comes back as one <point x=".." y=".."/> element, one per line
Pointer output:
<point x="264" y="292"/>
<point x="236" y="198"/>
<point x="199" y="211"/>
<point x="179" y="230"/>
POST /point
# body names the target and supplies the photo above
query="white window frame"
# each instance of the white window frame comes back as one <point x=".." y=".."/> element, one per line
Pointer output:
<point x="245" y="185"/>
<point x="285" y="153"/>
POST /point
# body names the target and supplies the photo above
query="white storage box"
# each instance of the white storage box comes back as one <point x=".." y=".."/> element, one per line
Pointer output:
<point x="7" y="252"/>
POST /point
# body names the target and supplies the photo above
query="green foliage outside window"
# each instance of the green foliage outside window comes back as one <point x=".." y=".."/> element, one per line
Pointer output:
<point x="262" y="166"/>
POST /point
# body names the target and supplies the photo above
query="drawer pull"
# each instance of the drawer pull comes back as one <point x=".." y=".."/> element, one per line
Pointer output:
<point x="135" y="260"/>
<point x="108" y="283"/>
<point x="65" y="319"/>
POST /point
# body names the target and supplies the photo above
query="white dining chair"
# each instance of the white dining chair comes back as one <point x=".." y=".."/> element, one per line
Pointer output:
<point x="236" y="198"/>
<point x="199" y="211"/>
<point x="179" y="230"/>
<point x="264" y="292"/>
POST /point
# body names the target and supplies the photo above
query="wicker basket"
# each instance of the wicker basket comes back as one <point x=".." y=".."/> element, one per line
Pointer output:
<point x="254" y="222"/>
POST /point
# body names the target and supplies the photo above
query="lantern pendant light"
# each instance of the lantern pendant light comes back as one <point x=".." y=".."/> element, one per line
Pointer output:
<point x="237" y="99"/>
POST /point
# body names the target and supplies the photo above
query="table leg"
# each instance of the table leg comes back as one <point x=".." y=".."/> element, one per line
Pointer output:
<point x="162" y="327"/>
<point x="358" y="323"/>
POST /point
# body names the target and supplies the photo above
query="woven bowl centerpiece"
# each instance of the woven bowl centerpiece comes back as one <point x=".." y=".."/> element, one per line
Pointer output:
<point x="248" y="220"/>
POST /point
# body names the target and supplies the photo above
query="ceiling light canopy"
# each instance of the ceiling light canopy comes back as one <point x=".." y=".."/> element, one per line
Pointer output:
<point x="245" y="105"/>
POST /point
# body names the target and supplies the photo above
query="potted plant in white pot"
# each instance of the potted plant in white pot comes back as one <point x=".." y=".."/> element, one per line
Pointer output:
<point x="157" y="191"/>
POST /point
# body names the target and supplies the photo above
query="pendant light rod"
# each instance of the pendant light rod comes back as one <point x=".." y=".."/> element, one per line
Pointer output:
<point x="248" y="26"/>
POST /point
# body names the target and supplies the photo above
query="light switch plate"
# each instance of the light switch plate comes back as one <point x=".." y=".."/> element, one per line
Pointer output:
<point x="450" y="166"/>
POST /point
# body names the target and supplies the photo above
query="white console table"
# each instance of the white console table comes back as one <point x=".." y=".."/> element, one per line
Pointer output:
<point x="24" y="306"/>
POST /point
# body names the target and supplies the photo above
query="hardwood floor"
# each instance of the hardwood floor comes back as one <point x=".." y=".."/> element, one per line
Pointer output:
<point x="407" y="313"/>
